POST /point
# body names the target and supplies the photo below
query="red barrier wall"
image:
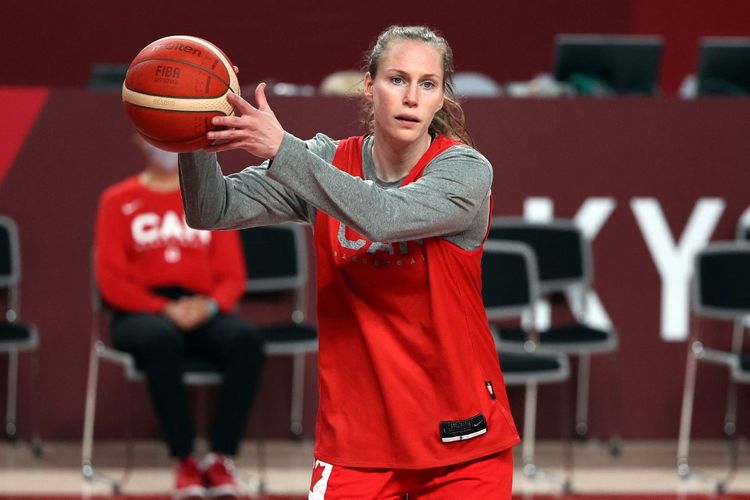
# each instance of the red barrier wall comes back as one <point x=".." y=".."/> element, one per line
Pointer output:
<point x="290" y="40"/>
<point x="54" y="43"/>
<point x="677" y="154"/>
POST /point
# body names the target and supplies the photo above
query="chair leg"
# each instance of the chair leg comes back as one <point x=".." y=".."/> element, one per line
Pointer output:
<point x="568" y="455"/>
<point x="36" y="440"/>
<point x="90" y="414"/>
<point x="615" y="441"/>
<point x="683" y="443"/>
<point x="730" y="415"/>
<point x="298" y="393"/>
<point x="10" y="408"/>
<point x="262" y="469"/>
<point x="582" y="396"/>
<point x="529" y="429"/>
<point x="734" y="462"/>
<point x="530" y="468"/>
<point x="87" y="467"/>
<point x="129" y="445"/>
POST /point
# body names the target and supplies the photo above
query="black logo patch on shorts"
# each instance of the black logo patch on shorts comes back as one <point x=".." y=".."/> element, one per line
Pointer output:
<point x="461" y="430"/>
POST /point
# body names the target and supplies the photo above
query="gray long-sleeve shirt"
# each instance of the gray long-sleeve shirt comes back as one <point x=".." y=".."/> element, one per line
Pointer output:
<point x="451" y="199"/>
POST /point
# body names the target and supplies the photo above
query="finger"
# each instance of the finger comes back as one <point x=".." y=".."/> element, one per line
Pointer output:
<point x="240" y="105"/>
<point x="260" y="97"/>
<point x="227" y="121"/>
<point x="236" y="70"/>
<point x="224" y="146"/>
<point x="218" y="143"/>
<point x="218" y="137"/>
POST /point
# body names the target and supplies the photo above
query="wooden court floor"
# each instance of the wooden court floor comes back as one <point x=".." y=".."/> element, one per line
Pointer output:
<point x="644" y="470"/>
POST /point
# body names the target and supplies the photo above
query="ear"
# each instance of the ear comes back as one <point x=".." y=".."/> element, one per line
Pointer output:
<point x="368" y="86"/>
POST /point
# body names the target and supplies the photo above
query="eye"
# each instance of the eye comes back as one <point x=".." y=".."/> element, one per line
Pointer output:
<point x="428" y="85"/>
<point x="397" y="80"/>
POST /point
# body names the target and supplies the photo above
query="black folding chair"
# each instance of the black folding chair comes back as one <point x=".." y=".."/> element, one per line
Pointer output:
<point x="721" y="290"/>
<point x="277" y="261"/>
<point x="565" y="269"/>
<point x="730" y="415"/>
<point x="198" y="372"/>
<point x="16" y="336"/>
<point x="509" y="289"/>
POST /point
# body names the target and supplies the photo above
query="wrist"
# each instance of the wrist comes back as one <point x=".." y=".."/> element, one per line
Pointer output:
<point x="282" y="145"/>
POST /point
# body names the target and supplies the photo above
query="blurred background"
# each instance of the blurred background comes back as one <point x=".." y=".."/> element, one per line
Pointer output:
<point x="638" y="136"/>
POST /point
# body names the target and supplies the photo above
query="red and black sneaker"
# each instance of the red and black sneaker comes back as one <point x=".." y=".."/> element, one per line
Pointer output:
<point x="188" y="482"/>
<point x="218" y="476"/>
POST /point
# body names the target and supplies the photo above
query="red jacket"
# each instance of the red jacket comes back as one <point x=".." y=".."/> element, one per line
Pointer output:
<point x="404" y="346"/>
<point x="142" y="243"/>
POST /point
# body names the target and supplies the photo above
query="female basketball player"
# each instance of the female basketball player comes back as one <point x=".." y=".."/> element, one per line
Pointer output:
<point x="412" y="400"/>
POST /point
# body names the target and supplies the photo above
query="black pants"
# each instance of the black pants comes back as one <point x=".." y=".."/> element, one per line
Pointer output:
<point x="159" y="348"/>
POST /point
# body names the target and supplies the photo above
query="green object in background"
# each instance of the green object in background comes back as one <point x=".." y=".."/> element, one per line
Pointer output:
<point x="590" y="85"/>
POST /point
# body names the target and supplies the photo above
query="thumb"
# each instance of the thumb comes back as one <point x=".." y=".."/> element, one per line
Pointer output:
<point x="260" y="98"/>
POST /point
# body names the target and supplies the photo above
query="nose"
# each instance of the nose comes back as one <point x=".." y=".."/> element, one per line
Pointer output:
<point x="410" y="95"/>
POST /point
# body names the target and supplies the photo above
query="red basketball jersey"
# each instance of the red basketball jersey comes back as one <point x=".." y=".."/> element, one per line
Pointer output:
<point x="406" y="355"/>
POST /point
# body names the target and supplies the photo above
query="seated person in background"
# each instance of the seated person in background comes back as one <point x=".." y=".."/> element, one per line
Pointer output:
<point x="173" y="289"/>
<point x="348" y="83"/>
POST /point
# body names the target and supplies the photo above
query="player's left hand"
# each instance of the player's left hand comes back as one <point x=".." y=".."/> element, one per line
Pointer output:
<point x="256" y="130"/>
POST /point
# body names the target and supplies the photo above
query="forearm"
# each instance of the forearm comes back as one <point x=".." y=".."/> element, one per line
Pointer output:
<point x="443" y="202"/>
<point x="248" y="198"/>
<point x="203" y="192"/>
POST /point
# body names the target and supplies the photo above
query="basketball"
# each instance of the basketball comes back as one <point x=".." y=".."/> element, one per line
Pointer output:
<point x="173" y="88"/>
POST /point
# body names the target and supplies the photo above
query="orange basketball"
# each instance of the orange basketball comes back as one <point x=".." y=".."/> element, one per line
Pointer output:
<point x="173" y="88"/>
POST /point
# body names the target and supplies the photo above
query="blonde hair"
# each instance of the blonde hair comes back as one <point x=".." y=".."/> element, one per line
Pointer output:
<point x="450" y="119"/>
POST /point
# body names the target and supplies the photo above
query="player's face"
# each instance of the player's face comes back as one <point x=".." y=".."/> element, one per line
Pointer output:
<point x="407" y="90"/>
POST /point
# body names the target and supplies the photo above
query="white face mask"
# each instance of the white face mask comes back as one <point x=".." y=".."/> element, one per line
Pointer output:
<point x="166" y="160"/>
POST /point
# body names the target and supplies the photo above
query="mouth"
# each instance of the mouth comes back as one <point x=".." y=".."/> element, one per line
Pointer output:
<point x="407" y="119"/>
